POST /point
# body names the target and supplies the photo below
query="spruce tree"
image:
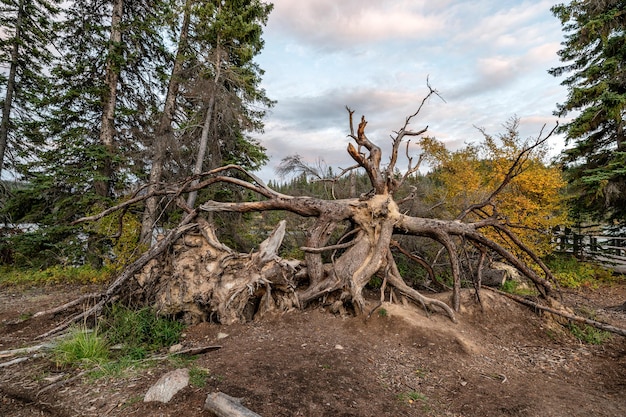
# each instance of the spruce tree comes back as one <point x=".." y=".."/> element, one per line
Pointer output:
<point x="25" y="53"/>
<point x="106" y="92"/>
<point x="229" y="37"/>
<point x="594" y="56"/>
<point x="215" y="85"/>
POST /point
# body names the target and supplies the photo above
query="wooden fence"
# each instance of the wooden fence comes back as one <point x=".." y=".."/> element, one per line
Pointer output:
<point x="593" y="243"/>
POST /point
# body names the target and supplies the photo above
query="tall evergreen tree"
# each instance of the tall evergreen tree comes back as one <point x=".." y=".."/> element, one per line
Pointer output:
<point x="594" y="56"/>
<point x="162" y="141"/>
<point x="228" y="37"/>
<point x="107" y="89"/>
<point x="25" y="52"/>
<point x="106" y="92"/>
<point x="215" y="86"/>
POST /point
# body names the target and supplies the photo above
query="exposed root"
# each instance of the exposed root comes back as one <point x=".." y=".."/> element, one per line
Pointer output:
<point x="394" y="279"/>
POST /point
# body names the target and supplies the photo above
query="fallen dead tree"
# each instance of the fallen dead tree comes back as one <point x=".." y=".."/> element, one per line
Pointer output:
<point x="190" y="273"/>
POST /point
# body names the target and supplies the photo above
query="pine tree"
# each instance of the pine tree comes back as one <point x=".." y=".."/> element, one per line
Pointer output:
<point x="25" y="52"/>
<point x="594" y="53"/>
<point x="106" y="92"/>
<point x="228" y="36"/>
<point x="214" y="88"/>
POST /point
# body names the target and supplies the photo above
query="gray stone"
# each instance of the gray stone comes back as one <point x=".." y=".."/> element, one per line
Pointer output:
<point x="168" y="385"/>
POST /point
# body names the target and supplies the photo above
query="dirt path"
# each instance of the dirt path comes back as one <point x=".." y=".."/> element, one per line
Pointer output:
<point x="503" y="361"/>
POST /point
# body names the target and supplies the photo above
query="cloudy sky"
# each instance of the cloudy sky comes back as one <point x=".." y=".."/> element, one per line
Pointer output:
<point x="488" y="59"/>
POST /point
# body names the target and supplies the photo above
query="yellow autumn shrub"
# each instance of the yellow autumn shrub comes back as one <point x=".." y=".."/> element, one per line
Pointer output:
<point x="531" y="204"/>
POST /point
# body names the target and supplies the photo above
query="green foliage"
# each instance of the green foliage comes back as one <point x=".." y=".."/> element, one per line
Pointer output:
<point x="573" y="273"/>
<point x="375" y="282"/>
<point x="125" y="248"/>
<point x="411" y="272"/>
<point x="588" y="334"/>
<point x="54" y="275"/>
<point x="509" y="286"/>
<point x="382" y="312"/>
<point x="594" y="57"/>
<point x="25" y="53"/>
<point x="84" y="347"/>
<point x="139" y="331"/>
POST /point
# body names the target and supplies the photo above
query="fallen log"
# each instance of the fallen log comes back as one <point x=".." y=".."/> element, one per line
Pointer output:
<point x="597" y="324"/>
<point x="19" y="360"/>
<point x="29" y="349"/>
<point x="86" y="297"/>
<point x="223" y="405"/>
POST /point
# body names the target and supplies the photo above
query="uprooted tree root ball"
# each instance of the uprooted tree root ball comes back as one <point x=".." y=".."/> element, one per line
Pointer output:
<point x="190" y="273"/>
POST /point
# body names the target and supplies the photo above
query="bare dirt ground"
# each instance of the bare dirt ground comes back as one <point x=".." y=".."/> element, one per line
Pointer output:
<point x="502" y="360"/>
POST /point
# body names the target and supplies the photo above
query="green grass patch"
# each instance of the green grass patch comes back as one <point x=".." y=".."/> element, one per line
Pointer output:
<point x="54" y="275"/>
<point x="588" y="334"/>
<point x="84" y="347"/>
<point x="140" y="332"/>
<point x="123" y="340"/>
<point x="514" y="287"/>
<point x="198" y="377"/>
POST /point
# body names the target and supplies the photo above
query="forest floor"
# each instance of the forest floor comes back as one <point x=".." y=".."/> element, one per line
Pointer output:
<point x="498" y="360"/>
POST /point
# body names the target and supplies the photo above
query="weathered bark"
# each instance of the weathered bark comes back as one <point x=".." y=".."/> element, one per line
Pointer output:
<point x="206" y="280"/>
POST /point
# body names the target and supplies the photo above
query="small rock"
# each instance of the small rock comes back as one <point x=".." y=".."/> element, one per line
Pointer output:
<point x="222" y="336"/>
<point x="167" y="386"/>
<point x="338" y="347"/>
<point x="176" y="348"/>
<point x="54" y="378"/>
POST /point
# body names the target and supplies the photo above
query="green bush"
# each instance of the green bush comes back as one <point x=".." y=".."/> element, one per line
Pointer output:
<point x="573" y="273"/>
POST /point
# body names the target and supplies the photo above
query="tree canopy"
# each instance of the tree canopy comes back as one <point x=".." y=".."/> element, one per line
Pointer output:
<point x="26" y="27"/>
<point x="594" y="57"/>
<point x="132" y="93"/>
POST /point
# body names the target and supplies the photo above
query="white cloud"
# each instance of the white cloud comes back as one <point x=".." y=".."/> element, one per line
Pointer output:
<point x="488" y="59"/>
<point x="331" y="24"/>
